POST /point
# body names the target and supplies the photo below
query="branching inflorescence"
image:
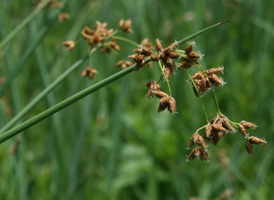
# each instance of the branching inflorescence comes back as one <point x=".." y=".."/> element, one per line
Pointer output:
<point x="169" y="60"/>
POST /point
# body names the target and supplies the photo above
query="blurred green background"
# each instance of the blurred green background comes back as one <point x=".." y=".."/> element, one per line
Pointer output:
<point x="113" y="144"/>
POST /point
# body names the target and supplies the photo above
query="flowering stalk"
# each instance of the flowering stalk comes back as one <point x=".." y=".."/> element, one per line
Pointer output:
<point x="16" y="130"/>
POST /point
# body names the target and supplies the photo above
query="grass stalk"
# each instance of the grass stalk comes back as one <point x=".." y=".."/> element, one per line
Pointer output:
<point x="16" y="130"/>
<point x="21" y="63"/>
<point x="22" y="24"/>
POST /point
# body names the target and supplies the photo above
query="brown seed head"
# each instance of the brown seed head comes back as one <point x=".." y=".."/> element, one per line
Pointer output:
<point x="189" y="48"/>
<point x="196" y="138"/>
<point x="248" y="147"/>
<point x="208" y="131"/>
<point x="125" y="25"/>
<point x="242" y="130"/>
<point x="159" y="46"/>
<point x="198" y="152"/>
<point x="63" y="16"/>
<point x="123" y="64"/>
<point x="193" y="54"/>
<point x="90" y="72"/>
<point x="160" y="94"/>
<point x="248" y="125"/>
<point x="145" y="43"/>
<point x="172" y="105"/>
<point x="216" y="80"/>
<point x="215" y="70"/>
<point x="186" y="64"/>
<point x="70" y="44"/>
<point x="256" y="140"/>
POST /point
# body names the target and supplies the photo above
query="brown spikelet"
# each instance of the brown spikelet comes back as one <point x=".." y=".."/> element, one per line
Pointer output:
<point x="159" y="45"/>
<point x="215" y="70"/>
<point x="70" y="44"/>
<point x="248" y="125"/>
<point x="248" y="147"/>
<point x="242" y="130"/>
<point x="256" y="140"/>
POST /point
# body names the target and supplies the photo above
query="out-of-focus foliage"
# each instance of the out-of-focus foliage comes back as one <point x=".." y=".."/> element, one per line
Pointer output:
<point x="113" y="144"/>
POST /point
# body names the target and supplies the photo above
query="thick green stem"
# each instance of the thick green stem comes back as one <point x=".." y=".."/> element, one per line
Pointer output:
<point x="53" y="85"/>
<point x="5" y="136"/>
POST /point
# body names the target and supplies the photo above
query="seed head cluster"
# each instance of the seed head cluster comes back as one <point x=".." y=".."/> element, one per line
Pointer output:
<point x="171" y="59"/>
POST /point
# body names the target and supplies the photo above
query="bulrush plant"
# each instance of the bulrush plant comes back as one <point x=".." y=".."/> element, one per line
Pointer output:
<point x="169" y="59"/>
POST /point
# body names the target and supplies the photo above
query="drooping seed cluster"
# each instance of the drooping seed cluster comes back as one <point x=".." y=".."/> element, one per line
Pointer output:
<point x="207" y="80"/>
<point x="89" y="72"/>
<point x="190" y="58"/>
<point x="165" y="101"/>
<point x="215" y="130"/>
<point x="171" y="59"/>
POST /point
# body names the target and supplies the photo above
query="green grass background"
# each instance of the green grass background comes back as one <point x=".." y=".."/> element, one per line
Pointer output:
<point x="113" y="144"/>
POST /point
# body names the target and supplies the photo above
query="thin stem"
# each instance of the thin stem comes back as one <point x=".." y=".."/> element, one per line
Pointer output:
<point x="163" y="74"/>
<point x="22" y="24"/>
<point x="127" y="40"/>
<point x="198" y="93"/>
<point x="53" y="85"/>
<point x="200" y="128"/>
<point x="215" y="101"/>
<point x="180" y="42"/>
<point x="20" y="64"/>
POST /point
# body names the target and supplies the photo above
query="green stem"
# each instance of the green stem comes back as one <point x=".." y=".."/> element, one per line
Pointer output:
<point x="180" y="42"/>
<point x="163" y="74"/>
<point x="19" y="66"/>
<point x="22" y="25"/>
<point x="127" y="40"/>
<point x="201" y="101"/>
<point x="215" y="101"/>
<point x="43" y="115"/>
<point x="200" y="128"/>
<point x="34" y="120"/>
<point x="53" y="85"/>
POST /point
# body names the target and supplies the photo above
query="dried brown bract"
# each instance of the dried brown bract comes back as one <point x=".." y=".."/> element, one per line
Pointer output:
<point x="253" y="140"/>
<point x="70" y="44"/>
<point x="89" y="72"/>
<point x="153" y="87"/>
<point x="191" y="57"/>
<point x="125" y="25"/>
<point x="123" y="64"/>
<point x="198" y="152"/>
<point x="146" y="44"/>
<point x="207" y="80"/>
<point x="196" y="138"/>
<point x="99" y="35"/>
<point x="63" y="16"/>
<point x="248" y="125"/>
<point x="256" y="140"/>
<point x="167" y="102"/>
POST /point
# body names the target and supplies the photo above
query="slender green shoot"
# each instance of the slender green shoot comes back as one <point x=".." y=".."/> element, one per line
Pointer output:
<point x="22" y="24"/>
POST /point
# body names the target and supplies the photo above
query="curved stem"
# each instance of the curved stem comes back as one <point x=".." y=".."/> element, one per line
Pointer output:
<point x="200" y="128"/>
<point x="127" y="40"/>
<point x="201" y="101"/>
